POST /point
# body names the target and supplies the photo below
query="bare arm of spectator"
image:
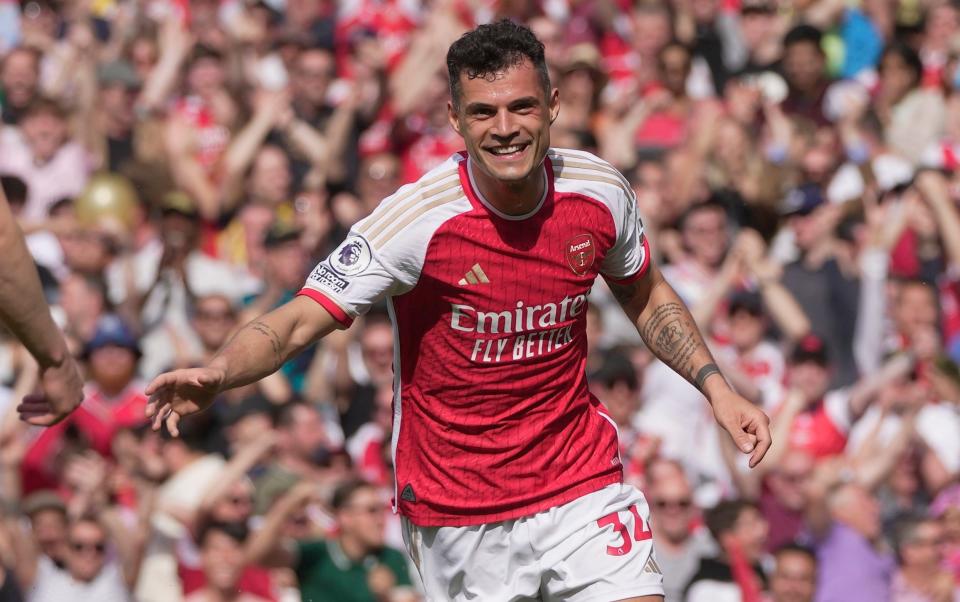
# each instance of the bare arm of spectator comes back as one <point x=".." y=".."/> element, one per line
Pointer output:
<point x="175" y="43"/>
<point x="305" y="139"/>
<point x="276" y="388"/>
<point x="867" y="388"/>
<point x="244" y="146"/>
<point x="267" y="547"/>
<point x="26" y="314"/>
<point x="410" y="81"/>
<point x="617" y="133"/>
<point x="338" y="131"/>
<point x="741" y="382"/>
<point x="934" y="188"/>
<point x="824" y="14"/>
<point x="26" y="555"/>
<point x="237" y="468"/>
<point x="782" y="306"/>
<point x="874" y="468"/>
<point x="883" y="229"/>
<point x="188" y="173"/>
<point x="720" y="287"/>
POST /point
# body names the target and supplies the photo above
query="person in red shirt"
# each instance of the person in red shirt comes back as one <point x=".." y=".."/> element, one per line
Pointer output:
<point x="114" y="400"/>
<point x="503" y="459"/>
<point x="823" y="422"/>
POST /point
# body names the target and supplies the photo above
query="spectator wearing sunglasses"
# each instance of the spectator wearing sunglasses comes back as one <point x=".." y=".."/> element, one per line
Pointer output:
<point x="89" y="574"/>
<point x="678" y="542"/>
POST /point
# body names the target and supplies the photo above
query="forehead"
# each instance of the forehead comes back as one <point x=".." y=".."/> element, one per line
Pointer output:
<point x="795" y="560"/>
<point x="503" y="87"/>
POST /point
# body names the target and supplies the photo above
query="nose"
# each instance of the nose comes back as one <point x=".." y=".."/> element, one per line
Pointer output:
<point x="503" y="126"/>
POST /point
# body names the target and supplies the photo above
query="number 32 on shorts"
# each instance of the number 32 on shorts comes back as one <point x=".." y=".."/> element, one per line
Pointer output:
<point x="641" y="531"/>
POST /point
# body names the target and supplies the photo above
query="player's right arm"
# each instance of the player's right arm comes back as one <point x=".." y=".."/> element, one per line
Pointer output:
<point x="256" y="350"/>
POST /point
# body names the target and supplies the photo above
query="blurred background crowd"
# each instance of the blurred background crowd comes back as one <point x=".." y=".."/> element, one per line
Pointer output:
<point x="179" y="167"/>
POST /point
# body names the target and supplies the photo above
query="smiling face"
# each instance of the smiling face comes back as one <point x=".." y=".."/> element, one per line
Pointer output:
<point x="504" y="120"/>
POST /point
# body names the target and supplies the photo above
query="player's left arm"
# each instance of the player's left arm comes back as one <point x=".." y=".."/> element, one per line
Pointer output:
<point x="668" y="329"/>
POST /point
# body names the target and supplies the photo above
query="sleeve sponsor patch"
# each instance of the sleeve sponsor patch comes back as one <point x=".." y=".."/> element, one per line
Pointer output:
<point x="351" y="257"/>
<point x="328" y="279"/>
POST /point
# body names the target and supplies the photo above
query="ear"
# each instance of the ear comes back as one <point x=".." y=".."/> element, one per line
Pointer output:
<point x="454" y="118"/>
<point x="554" y="104"/>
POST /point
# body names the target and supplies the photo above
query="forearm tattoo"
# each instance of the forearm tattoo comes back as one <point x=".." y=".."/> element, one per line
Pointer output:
<point x="274" y="338"/>
<point x="705" y="373"/>
<point x="674" y="338"/>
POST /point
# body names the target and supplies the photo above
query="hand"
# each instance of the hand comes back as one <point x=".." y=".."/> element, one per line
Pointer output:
<point x="380" y="580"/>
<point x="748" y="426"/>
<point x="176" y="394"/>
<point x="61" y="392"/>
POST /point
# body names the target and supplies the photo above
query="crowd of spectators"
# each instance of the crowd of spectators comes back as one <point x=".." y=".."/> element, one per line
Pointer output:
<point x="179" y="167"/>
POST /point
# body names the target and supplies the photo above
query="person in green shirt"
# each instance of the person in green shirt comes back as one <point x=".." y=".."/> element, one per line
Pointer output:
<point x="355" y="566"/>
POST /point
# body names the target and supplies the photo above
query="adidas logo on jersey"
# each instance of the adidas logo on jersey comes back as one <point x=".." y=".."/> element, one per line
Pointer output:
<point x="474" y="276"/>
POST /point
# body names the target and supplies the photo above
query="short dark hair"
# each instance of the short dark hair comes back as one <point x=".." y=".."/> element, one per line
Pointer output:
<point x="803" y="34"/>
<point x="795" y="548"/>
<point x="721" y="518"/>
<point x="236" y="531"/>
<point x="908" y="55"/>
<point x="491" y="49"/>
<point x="905" y="531"/>
<point x="345" y="492"/>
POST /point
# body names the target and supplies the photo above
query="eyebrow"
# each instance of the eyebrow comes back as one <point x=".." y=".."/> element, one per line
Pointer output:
<point x="519" y="102"/>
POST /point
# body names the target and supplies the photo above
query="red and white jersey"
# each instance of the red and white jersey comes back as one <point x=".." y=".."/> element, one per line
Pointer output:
<point x="492" y="416"/>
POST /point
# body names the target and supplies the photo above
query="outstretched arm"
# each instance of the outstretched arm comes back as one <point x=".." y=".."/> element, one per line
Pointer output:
<point x="668" y="329"/>
<point x="256" y="350"/>
<point x="25" y="312"/>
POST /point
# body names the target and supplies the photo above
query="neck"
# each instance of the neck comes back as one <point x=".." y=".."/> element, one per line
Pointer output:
<point x="512" y="198"/>
<point x="352" y="549"/>
<point x="919" y="576"/>
<point x="112" y="391"/>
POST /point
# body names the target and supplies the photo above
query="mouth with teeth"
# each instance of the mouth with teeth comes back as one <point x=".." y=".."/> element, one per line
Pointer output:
<point x="508" y="152"/>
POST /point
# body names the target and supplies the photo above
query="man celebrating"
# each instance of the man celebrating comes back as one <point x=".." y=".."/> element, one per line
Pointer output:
<point x="507" y="470"/>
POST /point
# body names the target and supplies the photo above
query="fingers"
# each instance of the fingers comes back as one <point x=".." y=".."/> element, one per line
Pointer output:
<point x="763" y="442"/>
<point x="173" y="420"/>
<point x="160" y="382"/>
<point x="160" y="415"/>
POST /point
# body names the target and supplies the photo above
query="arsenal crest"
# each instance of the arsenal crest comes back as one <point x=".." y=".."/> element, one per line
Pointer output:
<point x="580" y="253"/>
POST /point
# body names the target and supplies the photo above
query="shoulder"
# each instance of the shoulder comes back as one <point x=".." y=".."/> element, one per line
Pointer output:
<point x="416" y="210"/>
<point x="583" y="172"/>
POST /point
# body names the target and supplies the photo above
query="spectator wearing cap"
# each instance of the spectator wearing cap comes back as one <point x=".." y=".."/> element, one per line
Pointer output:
<point x="794" y="577"/>
<point x="41" y="152"/>
<point x="678" y="540"/>
<point x="735" y="573"/>
<point x="115" y="117"/>
<point x="920" y="577"/>
<point x="113" y="400"/>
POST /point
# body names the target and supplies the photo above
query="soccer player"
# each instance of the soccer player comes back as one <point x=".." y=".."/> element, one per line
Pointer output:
<point x="507" y="471"/>
<point x="26" y="314"/>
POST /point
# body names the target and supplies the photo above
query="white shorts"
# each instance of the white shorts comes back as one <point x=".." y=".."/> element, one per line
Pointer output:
<point x="597" y="548"/>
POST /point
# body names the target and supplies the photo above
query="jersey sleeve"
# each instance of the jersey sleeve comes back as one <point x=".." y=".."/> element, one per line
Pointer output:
<point x="354" y="277"/>
<point x="383" y="254"/>
<point x="629" y="257"/>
